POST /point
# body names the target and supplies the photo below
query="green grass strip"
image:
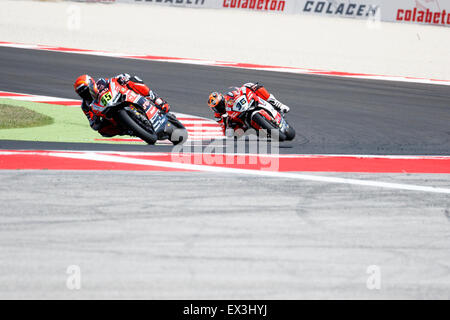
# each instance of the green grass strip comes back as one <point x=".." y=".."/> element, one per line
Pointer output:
<point x="69" y="125"/>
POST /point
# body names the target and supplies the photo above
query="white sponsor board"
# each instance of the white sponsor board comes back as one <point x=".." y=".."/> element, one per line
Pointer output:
<point x="430" y="12"/>
<point x="178" y="3"/>
<point x="359" y="9"/>
<point x="285" y="6"/>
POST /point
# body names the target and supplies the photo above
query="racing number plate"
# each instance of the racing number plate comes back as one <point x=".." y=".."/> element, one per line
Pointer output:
<point x="106" y="98"/>
<point x="241" y="104"/>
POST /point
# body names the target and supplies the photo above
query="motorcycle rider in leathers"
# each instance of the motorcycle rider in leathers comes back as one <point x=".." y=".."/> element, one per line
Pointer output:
<point x="218" y="102"/>
<point x="89" y="90"/>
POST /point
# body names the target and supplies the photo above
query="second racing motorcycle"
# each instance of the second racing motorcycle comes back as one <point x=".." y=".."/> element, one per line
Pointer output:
<point x="259" y="114"/>
<point x="134" y="112"/>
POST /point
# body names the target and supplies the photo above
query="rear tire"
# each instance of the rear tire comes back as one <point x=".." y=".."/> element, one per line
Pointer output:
<point x="267" y="125"/>
<point x="145" y="134"/>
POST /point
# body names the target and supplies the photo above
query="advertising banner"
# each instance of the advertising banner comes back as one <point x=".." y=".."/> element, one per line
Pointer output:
<point x="432" y="12"/>
<point x="259" y="5"/>
<point x="429" y="12"/>
<point x="177" y="3"/>
<point x="359" y="9"/>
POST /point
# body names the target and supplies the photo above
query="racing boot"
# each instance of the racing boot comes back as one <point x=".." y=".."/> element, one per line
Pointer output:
<point x="278" y="105"/>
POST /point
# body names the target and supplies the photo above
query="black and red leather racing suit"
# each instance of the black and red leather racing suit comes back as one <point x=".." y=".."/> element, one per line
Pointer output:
<point x="107" y="128"/>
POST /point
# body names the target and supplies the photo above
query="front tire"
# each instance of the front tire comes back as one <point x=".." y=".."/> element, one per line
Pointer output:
<point x="290" y="134"/>
<point x="265" y="124"/>
<point x="178" y="133"/>
<point x="146" y="134"/>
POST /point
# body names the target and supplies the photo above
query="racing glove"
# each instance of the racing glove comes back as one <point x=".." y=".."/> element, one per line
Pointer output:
<point x="165" y="108"/>
<point x="162" y="105"/>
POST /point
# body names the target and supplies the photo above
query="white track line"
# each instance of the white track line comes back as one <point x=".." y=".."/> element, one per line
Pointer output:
<point x="308" y="156"/>
<point x="275" y="174"/>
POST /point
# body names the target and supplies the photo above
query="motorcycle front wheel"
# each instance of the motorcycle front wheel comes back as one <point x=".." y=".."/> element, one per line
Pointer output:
<point x="178" y="133"/>
<point x="290" y="134"/>
<point x="128" y="119"/>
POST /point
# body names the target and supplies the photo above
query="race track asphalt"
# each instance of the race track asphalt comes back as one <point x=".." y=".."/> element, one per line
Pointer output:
<point x="331" y="115"/>
<point x="176" y="235"/>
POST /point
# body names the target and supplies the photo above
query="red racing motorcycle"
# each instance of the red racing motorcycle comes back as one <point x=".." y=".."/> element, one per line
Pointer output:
<point x="127" y="109"/>
<point x="259" y="114"/>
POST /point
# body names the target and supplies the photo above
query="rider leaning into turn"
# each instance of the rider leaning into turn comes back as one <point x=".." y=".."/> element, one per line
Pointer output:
<point x="89" y="90"/>
<point x="218" y="103"/>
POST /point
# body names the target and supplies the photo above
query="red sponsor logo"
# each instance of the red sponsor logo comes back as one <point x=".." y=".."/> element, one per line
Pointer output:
<point x="424" y="16"/>
<point x="268" y="5"/>
<point x="151" y="112"/>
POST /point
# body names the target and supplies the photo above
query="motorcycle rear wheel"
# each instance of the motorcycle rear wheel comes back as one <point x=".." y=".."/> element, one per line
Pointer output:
<point x="145" y="134"/>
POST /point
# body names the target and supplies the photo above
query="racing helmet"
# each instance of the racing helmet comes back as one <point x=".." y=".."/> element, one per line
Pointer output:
<point x="216" y="102"/>
<point x="86" y="87"/>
